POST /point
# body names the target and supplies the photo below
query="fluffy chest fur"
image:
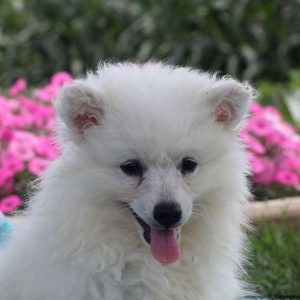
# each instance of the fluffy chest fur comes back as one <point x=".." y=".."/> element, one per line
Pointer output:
<point x="123" y="268"/>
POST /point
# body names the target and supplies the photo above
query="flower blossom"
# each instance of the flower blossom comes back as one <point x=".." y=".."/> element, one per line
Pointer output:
<point x="26" y="129"/>
<point x="273" y="146"/>
<point x="10" y="203"/>
<point x="18" y="88"/>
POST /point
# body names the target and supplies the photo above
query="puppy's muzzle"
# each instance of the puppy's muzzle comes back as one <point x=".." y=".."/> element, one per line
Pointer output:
<point x="167" y="214"/>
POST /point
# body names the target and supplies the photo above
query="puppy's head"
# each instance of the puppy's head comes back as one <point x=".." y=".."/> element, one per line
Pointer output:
<point x="166" y="137"/>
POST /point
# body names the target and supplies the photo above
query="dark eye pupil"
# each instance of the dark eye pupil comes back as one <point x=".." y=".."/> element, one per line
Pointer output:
<point x="132" y="168"/>
<point x="188" y="165"/>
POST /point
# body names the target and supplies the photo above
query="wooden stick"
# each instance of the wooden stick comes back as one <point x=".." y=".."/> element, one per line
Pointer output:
<point x="276" y="209"/>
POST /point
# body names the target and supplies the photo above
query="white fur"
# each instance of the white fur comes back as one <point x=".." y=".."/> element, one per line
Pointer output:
<point x="80" y="243"/>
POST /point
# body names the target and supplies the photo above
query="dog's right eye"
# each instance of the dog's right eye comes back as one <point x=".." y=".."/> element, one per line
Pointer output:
<point x="188" y="165"/>
<point x="132" y="168"/>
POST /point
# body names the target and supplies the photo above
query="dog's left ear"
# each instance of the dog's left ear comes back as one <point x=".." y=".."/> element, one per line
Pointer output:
<point x="79" y="107"/>
<point x="230" y="101"/>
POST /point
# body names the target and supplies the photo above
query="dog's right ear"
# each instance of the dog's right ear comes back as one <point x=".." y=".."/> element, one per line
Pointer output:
<point x="79" y="107"/>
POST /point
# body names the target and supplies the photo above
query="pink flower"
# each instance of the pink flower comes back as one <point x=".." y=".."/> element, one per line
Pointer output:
<point x="8" y="119"/>
<point x="23" y="150"/>
<point x="258" y="164"/>
<point x="37" y="166"/>
<point x="291" y="143"/>
<point x="267" y="176"/>
<point x="5" y="176"/>
<point x="18" y="88"/>
<point x="287" y="177"/>
<point x="42" y="115"/>
<point x="10" y="203"/>
<point x="26" y="124"/>
<point x="275" y="138"/>
<point x="51" y="124"/>
<point x="6" y="134"/>
<point x="255" y="107"/>
<point x="46" y="111"/>
<point x="46" y="147"/>
<point x="61" y="78"/>
<point x="50" y="91"/>
<point x="47" y="93"/>
<point x="13" y="105"/>
<point x="29" y="104"/>
<point x="272" y="114"/>
<point x="274" y="147"/>
<point x="253" y="144"/>
<point x="292" y="163"/>
<point x="285" y="128"/>
<point x="260" y="126"/>
<point x="25" y="136"/>
<point x="12" y="163"/>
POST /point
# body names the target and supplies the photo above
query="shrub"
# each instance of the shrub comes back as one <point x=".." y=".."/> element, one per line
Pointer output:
<point x="27" y="145"/>
<point x="247" y="39"/>
<point x="274" y="152"/>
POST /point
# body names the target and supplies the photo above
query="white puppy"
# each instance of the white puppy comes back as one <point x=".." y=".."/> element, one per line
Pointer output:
<point x="146" y="201"/>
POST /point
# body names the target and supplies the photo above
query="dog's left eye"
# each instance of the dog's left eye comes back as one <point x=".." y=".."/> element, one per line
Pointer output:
<point x="188" y="165"/>
<point x="132" y="168"/>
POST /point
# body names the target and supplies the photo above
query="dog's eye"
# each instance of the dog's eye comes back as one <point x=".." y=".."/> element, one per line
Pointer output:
<point x="188" y="165"/>
<point x="132" y="168"/>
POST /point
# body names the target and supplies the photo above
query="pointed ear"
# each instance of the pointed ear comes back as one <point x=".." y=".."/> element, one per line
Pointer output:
<point x="230" y="101"/>
<point x="79" y="107"/>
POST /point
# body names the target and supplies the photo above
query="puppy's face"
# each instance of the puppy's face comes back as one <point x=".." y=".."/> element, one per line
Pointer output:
<point x="164" y="136"/>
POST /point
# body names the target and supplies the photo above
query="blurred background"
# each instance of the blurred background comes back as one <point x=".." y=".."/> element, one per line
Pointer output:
<point x="252" y="40"/>
<point x="44" y="44"/>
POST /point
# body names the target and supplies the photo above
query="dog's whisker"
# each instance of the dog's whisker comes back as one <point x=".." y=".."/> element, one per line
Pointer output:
<point x="202" y="215"/>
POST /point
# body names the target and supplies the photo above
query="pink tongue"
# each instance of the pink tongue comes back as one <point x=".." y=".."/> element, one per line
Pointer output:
<point x="164" y="246"/>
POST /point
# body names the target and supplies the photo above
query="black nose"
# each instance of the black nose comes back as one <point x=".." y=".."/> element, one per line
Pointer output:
<point x="167" y="213"/>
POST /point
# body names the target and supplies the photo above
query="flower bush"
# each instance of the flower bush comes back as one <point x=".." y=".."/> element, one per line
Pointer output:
<point x="27" y="145"/>
<point x="274" y="152"/>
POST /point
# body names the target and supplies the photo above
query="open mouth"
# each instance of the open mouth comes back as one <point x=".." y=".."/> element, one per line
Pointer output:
<point x="146" y="228"/>
<point x="164" y="243"/>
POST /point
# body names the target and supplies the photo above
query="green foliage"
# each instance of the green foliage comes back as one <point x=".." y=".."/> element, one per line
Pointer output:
<point x="275" y="258"/>
<point x="283" y="96"/>
<point x="250" y="39"/>
<point x="274" y="191"/>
